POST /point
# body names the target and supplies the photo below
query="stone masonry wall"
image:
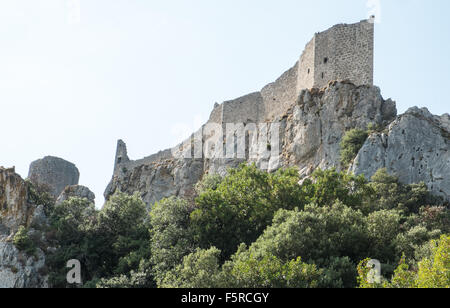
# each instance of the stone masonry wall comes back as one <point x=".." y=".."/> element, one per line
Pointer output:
<point x="279" y="95"/>
<point x="306" y="67"/>
<point x="344" y="52"/>
<point x="245" y="109"/>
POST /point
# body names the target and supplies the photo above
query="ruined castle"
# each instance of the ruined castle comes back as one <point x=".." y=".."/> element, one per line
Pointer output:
<point x="326" y="93"/>
<point x="343" y="52"/>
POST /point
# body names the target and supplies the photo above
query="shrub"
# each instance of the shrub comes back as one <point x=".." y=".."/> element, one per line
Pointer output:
<point x="23" y="242"/>
<point x="351" y="143"/>
<point x="200" y="269"/>
<point x="433" y="271"/>
<point x="249" y="271"/>
<point x="329" y="186"/>
<point x="315" y="234"/>
<point x="40" y="195"/>
<point x="383" y="227"/>
<point x="389" y="194"/>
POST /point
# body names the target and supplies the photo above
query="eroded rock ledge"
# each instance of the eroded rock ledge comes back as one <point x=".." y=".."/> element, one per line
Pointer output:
<point x="416" y="148"/>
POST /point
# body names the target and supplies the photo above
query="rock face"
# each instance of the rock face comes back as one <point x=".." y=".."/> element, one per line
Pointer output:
<point x="76" y="191"/>
<point x="310" y="131"/>
<point x="14" y="207"/>
<point x="416" y="148"/>
<point x="54" y="173"/>
<point x="16" y="268"/>
<point x="318" y="121"/>
<point x="158" y="179"/>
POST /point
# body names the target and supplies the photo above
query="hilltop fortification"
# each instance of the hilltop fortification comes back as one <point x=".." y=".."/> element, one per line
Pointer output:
<point x="341" y="53"/>
<point x="313" y="104"/>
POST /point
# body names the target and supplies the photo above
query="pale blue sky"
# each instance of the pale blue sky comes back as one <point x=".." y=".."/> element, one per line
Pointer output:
<point x="141" y="70"/>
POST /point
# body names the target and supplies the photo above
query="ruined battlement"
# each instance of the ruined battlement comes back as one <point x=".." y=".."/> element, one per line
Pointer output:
<point x="343" y="52"/>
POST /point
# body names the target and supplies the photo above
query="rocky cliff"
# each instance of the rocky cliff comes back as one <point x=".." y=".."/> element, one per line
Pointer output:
<point x="17" y="268"/>
<point x="415" y="146"/>
<point x="20" y="207"/>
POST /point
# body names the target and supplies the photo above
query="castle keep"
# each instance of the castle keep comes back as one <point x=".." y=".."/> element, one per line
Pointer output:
<point x="343" y="52"/>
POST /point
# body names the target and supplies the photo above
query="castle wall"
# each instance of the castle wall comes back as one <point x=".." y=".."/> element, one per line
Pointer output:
<point x="245" y="109"/>
<point x="344" y="52"/>
<point x="306" y="67"/>
<point x="279" y="95"/>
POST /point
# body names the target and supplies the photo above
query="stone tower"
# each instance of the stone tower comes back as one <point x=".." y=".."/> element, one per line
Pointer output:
<point x="343" y="52"/>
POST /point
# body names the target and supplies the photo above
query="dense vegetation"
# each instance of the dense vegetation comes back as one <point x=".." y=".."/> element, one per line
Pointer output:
<point x="255" y="229"/>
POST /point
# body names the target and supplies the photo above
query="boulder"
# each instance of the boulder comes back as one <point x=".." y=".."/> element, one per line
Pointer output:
<point x="53" y="173"/>
<point x="76" y="191"/>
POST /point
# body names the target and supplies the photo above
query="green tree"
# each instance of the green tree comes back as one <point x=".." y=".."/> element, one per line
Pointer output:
<point x="268" y="271"/>
<point x="200" y="269"/>
<point x="390" y="194"/>
<point x="171" y="236"/>
<point x="435" y="218"/>
<point x="434" y="272"/>
<point x="39" y="194"/>
<point x="209" y="182"/>
<point x="123" y="224"/>
<point x="408" y="242"/>
<point x="108" y="243"/>
<point x="328" y="186"/>
<point x="383" y="227"/>
<point x="73" y="226"/>
<point x="315" y="234"/>
<point x="242" y="206"/>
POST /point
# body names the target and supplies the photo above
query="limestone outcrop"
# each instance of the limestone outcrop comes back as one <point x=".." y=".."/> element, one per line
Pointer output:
<point x="310" y="131"/>
<point x="15" y="209"/>
<point x="319" y="119"/>
<point x="76" y="191"/>
<point x="17" y="269"/>
<point x="155" y="180"/>
<point x="416" y="148"/>
<point x="54" y="173"/>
